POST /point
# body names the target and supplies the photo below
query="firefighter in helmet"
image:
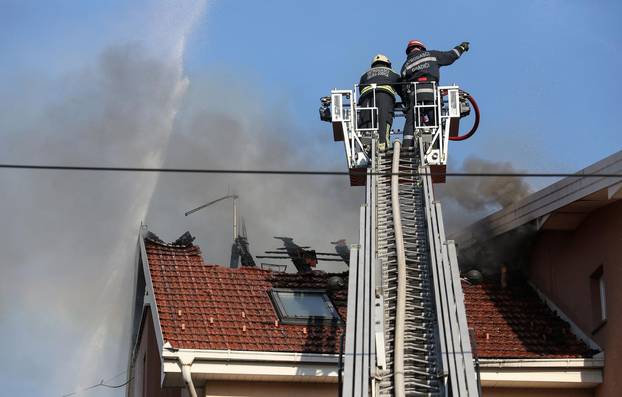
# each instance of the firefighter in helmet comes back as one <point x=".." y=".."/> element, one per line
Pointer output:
<point x="422" y="66"/>
<point x="385" y="79"/>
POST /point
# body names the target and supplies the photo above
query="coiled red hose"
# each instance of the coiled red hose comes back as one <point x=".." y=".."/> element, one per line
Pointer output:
<point x="475" y="123"/>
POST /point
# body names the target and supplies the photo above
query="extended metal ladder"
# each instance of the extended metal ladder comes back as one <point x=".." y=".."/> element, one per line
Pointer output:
<point x="406" y="331"/>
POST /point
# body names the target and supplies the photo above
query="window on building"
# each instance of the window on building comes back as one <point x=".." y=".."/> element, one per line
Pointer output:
<point x="599" y="301"/>
<point x="301" y="306"/>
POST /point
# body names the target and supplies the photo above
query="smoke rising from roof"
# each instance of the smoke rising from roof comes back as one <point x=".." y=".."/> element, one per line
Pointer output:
<point x="466" y="200"/>
<point x="227" y="125"/>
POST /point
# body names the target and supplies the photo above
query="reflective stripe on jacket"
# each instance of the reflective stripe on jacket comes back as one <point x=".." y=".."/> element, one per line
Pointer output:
<point x="427" y="64"/>
<point x="383" y="77"/>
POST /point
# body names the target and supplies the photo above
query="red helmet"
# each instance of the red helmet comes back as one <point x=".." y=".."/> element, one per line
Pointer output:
<point x="414" y="43"/>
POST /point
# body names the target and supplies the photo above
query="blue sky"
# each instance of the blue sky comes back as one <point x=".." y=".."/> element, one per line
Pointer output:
<point x="545" y="74"/>
<point x="524" y="68"/>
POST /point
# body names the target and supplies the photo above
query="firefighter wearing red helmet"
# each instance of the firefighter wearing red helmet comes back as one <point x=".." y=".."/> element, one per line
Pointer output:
<point x="383" y="97"/>
<point x="414" y="43"/>
<point x="423" y="66"/>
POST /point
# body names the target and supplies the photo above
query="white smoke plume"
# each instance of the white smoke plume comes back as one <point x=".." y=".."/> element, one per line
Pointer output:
<point x="68" y="240"/>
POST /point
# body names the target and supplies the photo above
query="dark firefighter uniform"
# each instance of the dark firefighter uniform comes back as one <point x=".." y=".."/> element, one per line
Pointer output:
<point x="386" y="88"/>
<point x="423" y="66"/>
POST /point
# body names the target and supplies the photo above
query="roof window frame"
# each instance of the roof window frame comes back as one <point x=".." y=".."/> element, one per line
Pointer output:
<point x="287" y="318"/>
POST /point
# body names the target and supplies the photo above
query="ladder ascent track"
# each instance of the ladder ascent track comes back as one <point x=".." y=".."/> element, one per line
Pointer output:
<point x="409" y="313"/>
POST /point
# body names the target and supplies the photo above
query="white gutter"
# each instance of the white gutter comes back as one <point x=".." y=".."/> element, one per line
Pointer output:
<point x="543" y="363"/>
<point x="245" y="355"/>
<point x="538" y="373"/>
<point x="253" y="365"/>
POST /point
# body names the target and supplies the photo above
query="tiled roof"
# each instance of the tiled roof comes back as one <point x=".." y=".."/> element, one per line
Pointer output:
<point x="513" y="322"/>
<point x="203" y="306"/>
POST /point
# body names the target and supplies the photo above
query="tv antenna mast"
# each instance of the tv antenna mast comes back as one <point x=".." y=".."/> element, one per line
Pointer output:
<point x="235" y="210"/>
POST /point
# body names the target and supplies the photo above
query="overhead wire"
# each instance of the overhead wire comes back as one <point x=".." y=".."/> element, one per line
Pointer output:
<point x="102" y="383"/>
<point x="296" y="172"/>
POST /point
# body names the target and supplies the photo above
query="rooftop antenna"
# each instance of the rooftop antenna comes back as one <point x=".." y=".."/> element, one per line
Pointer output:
<point x="239" y="249"/>
<point x="235" y="210"/>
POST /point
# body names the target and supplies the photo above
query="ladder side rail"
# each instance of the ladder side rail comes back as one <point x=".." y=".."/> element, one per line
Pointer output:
<point x="440" y="318"/>
<point x="385" y="240"/>
<point x="349" y="351"/>
<point x="373" y="361"/>
<point x="359" y="371"/>
<point x="467" y="354"/>
<point x="354" y="325"/>
<point x="437" y="264"/>
<point x="447" y="286"/>
<point x="366" y="301"/>
<point x="379" y="350"/>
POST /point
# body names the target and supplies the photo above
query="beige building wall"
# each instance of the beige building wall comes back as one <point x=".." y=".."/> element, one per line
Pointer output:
<point x="563" y="265"/>
<point x="283" y="389"/>
<point x="269" y="389"/>
<point x="518" y="392"/>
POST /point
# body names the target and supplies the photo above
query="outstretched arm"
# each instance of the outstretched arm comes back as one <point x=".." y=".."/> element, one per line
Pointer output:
<point x="445" y="58"/>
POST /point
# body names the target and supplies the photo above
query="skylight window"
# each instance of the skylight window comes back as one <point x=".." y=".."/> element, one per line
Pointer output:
<point x="302" y="306"/>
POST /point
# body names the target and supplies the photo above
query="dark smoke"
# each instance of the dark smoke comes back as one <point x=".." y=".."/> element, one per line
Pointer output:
<point x="467" y="199"/>
<point x="228" y="125"/>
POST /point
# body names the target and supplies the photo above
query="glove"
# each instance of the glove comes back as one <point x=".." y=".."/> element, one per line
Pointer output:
<point x="465" y="46"/>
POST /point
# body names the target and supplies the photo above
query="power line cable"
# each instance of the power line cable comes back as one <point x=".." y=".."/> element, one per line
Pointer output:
<point x="102" y="383"/>
<point x="298" y="172"/>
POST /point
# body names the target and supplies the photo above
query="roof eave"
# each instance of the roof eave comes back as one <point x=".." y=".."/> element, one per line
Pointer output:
<point x="253" y="365"/>
<point x="580" y="373"/>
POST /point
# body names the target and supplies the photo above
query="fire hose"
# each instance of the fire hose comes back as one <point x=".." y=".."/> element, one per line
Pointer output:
<point x="475" y="122"/>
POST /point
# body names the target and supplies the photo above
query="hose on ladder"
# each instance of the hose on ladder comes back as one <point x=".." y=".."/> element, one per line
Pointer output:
<point x="400" y="311"/>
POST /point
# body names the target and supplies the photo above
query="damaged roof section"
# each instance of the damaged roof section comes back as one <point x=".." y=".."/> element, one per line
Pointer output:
<point x="206" y="306"/>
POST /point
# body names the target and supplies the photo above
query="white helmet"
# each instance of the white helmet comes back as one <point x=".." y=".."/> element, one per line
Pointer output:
<point x="381" y="58"/>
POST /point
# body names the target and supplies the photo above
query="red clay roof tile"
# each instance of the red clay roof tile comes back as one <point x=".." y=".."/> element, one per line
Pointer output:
<point x="513" y="322"/>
